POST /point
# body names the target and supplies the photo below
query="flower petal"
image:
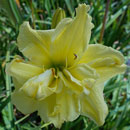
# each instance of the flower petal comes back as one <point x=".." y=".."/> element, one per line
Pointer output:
<point x="58" y="108"/>
<point x="93" y="105"/>
<point x="40" y="86"/>
<point x="105" y="60"/>
<point x="83" y="71"/>
<point x="35" y="44"/>
<point x="46" y="107"/>
<point x="69" y="107"/>
<point x="73" y="38"/>
<point x="70" y="82"/>
<point x="85" y="74"/>
<point x="16" y="83"/>
<point x="23" y="103"/>
<point x="22" y="71"/>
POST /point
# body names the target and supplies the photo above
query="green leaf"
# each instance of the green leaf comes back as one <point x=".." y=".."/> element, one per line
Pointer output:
<point x="12" y="11"/>
<point x="4" y="103"/>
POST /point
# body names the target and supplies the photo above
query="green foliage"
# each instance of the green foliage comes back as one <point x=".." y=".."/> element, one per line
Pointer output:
<point x="39" y="13"/>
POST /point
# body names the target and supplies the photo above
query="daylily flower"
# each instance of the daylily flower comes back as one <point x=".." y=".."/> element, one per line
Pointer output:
<point x="63" y="76"/>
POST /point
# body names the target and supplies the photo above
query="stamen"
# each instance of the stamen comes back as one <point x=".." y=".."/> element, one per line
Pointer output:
<point x="75" y="56"/>
<point x="53" y="71"/>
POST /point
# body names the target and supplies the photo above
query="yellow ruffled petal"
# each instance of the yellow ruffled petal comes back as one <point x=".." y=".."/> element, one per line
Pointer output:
<point x="70" y="82"/>
<point x="56" y="109"/>
<point x="68" y="108"/>
<point x="46" y="37"/>
<point x="46" y="107"/>
<point x="71" y="42"/>
<point x="17" y="84"/>
<point x="23" y="103"/>
<point x="84" y="74"/>
<point x="76" y="85"/>
<point x="105" y="60"/>
<point x="83" y="71"/>
<point x="93" y="105"/>
<point x="22" y="71"/>
<point x="34" y="44"/>
<point x="108" y="72"/>
<point x="41" y="86"/>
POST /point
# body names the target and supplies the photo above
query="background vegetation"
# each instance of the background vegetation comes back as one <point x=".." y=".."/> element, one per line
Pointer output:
<point x="39" y="13"/>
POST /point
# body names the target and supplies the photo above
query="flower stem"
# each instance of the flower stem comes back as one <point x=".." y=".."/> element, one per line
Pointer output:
<point x="33" y="18"/>
<point x="104" y="22"/>
<point x="8" y="92"/>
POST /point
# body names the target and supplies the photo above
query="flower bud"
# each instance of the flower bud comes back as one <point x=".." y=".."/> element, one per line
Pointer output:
<point x="58" y="16"/>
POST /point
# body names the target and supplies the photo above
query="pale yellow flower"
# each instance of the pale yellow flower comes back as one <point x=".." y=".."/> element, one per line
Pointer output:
<point x="64" y="76"/>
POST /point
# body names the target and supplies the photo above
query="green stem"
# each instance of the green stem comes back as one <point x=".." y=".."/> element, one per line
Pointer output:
<point x="104" y="21"/>
<point x="45" y="125"/>
<point x="33" y="18"/>
<point x="8" y="93"/>
<point x="20" y="120"/>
